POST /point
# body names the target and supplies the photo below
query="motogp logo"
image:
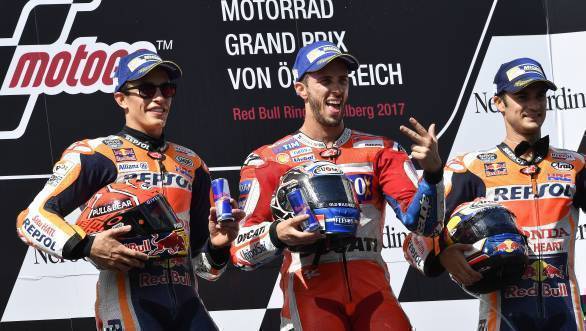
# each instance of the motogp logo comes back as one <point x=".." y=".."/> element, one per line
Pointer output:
<point x="84" y="66"/>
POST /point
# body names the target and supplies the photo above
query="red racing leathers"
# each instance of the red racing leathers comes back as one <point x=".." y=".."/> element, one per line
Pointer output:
<point x="162" y="295"/>
<point x="340" y="290"/>
<point x="545" y="198"/>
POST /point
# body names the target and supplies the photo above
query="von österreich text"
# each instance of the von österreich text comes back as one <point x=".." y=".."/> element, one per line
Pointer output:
<point x="249" y="78"/>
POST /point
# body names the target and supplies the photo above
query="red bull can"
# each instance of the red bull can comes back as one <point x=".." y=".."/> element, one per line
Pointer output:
<point x="221" y="193"/>
<point x="300" y="207"/>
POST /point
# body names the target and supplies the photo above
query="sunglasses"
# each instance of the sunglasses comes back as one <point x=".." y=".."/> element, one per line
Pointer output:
<point x="148" y="90"/>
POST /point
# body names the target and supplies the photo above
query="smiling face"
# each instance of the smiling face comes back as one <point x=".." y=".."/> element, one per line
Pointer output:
<point x="325" y="93"/>
<point x="524" y="111"/>
<point x="148" y="115"/>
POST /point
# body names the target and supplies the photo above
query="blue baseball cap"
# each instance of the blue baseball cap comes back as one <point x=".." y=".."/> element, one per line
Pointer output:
<point x="317" y="55"/>
<point x="139" y="63"/>
<point x="516" y="75"/>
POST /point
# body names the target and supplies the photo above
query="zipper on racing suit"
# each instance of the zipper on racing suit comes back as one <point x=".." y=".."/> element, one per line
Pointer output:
<point x="167" y="266"/>
<point x="331" y="154"/>
<point x="534" y="188"/>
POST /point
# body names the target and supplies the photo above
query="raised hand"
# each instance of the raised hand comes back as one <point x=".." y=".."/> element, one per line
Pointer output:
<point x="424" y="148"/>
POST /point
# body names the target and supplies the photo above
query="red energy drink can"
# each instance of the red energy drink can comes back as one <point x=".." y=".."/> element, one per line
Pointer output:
<point x="221" y="193"/>
<point x="300" y="207"/>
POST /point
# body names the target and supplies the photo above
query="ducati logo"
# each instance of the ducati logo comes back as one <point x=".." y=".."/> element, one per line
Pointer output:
<point x="84" y="66"/>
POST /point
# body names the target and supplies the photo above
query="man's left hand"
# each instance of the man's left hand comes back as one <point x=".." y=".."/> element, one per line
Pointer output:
<point x="424" y="148"/>
<point x="223" y="233"/>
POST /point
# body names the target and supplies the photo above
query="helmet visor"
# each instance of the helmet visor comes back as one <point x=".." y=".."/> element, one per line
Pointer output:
<point x="329" y="191"/>
<point x="153" y="216"/>
<point x="490" y="222"/>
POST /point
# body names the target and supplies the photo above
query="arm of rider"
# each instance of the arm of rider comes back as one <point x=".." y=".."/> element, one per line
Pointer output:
<point x="108" y="253"/>
<point x="424" y="149"/>
<point x="454" y="261"/>
<point x="288" y="232"/>
<point x="222" y="234"/>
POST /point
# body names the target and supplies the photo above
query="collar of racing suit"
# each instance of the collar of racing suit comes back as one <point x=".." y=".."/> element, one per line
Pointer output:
<point x="540" y="147"/>
<point x="540" y="150"/>
<point x="306" y="140"/>
<point x="144" y="140"/>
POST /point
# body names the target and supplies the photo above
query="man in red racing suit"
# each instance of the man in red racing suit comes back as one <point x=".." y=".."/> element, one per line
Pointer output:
<point x="544" y="187"/>
<point x="131" y="294"/>
<point x="345" y="289"/>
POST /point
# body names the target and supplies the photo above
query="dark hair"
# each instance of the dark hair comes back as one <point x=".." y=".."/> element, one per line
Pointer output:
<point x="303" y="79"/>
<point x="502" y="96"/>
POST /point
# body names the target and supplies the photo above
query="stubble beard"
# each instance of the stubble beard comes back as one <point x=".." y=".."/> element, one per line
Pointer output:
<point x="316" y="108"/>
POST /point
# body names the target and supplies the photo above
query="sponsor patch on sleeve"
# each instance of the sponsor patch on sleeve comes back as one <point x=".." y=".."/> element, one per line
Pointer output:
<point x="124" y="154"/>
<point x="80" y="147"/>
<point x="495" y="169"/>
<point x="368" y="143"/>
<point x="253" y="160"/>
<point x="455" y="165"/>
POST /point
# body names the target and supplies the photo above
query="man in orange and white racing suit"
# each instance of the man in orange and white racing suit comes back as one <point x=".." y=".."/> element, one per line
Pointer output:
<point x="133" y="294"/>
<point x="543" y="186"/>
<point x="346" y="288"/>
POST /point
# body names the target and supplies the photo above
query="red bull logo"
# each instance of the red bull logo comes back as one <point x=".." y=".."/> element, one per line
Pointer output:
<point x="173" y="244"/>
<point x="540" y="270"/>
<point x="507" y="246"/>
<point x="495" y="169"/>
<point x="84" y="66"/>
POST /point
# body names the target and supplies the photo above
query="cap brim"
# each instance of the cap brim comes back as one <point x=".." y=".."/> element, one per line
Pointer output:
<point x="172" y="69"/>
<point x="350" y="60"/>
<point x="514" y="88"/>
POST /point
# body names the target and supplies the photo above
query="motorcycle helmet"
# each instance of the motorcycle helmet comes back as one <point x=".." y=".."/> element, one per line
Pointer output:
<point x="500" y="249"/>
<point x="156" y="230"/>
<point x="322" y="190"/>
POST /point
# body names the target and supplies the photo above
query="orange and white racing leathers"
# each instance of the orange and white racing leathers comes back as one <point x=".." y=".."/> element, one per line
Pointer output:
<point x="162" y="295"/>
<point x="545" y="197"/>
<point x="344" y="289"/>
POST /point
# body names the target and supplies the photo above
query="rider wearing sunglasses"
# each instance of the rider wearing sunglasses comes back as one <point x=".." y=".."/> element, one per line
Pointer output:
<point x="133" y="293"/>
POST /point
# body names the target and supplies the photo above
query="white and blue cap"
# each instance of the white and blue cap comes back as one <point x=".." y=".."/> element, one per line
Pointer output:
<point x="139" y="63"/>
<point x="317" y="55"/>
<point x="515" y="75"/>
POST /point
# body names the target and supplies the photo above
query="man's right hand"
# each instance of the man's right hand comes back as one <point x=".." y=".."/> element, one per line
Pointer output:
<point x="453" y="259"/>
<point x="108" y="253"/>
<point x="288" y="232"/>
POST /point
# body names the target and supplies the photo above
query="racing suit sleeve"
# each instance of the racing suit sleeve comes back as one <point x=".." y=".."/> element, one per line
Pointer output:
<point x="76" y="177"/>
<point x="461" y="186"/>
<point x="209" y="263"/>
<point x="419" y="204"/>
<point x="257" y="242"/>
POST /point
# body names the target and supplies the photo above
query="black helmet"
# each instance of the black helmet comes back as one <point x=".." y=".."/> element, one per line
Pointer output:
<point x="500" y="253"/>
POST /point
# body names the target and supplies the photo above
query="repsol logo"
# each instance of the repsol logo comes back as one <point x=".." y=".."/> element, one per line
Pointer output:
<point x="37" y="235"/>
<point x="414" y="255"/>
<point x="525" y="192"/>
<point x="251" y="234"/>
<point x="168" y="180"/>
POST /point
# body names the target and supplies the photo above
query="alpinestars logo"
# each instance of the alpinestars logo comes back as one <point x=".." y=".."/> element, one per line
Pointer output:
<point x="84" y="66"/>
